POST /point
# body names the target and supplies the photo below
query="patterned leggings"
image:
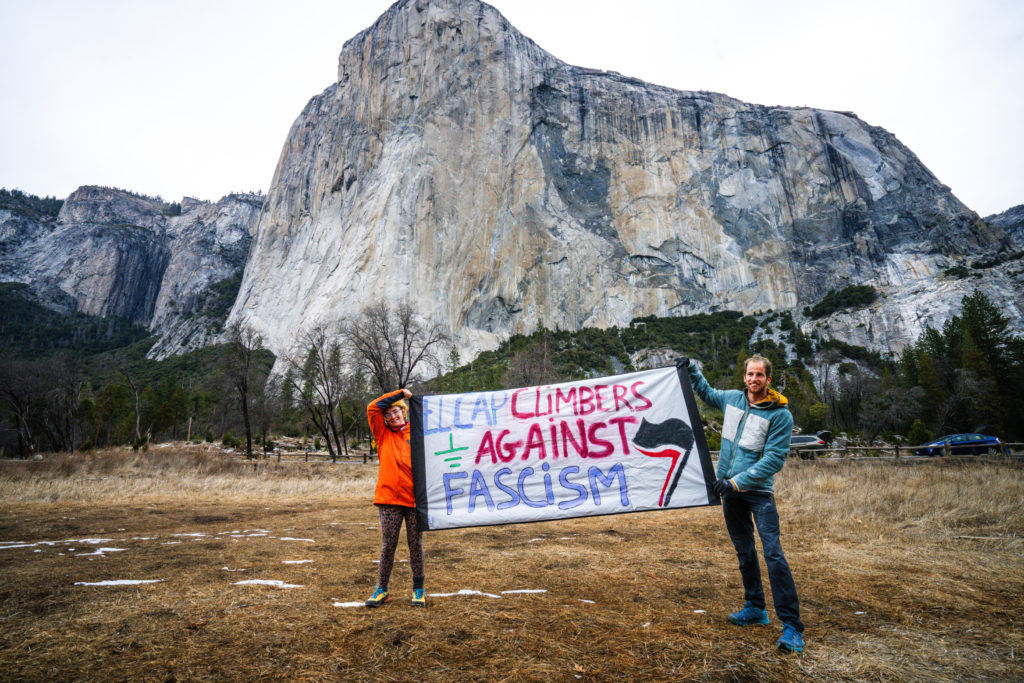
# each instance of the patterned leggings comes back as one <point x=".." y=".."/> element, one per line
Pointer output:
<point x="391" y="517"/>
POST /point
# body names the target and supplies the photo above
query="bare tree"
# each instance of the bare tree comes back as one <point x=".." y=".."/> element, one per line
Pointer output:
<point x="133" y="385"/>
<point x="317" y="382"/>
<point x="534" y="364"/>
<point x="64" y="388"/>
<point x="391" y="343"/>
<point x="19" y="386"/>
<point x="240" y="362"/>
<point x="825" y="380"/>
<point x="269" y="403"/>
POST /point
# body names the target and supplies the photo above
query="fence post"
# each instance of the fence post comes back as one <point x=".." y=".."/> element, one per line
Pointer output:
<point x="897" y="460"/>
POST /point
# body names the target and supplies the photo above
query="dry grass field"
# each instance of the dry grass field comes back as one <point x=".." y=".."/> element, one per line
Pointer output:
<point x="905" y="573"/>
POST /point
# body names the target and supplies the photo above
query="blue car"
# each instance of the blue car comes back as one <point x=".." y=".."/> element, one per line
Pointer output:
<point x="960" y="444"/>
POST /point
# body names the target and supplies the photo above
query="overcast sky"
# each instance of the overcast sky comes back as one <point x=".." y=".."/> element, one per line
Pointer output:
<point x="195" y="97"/>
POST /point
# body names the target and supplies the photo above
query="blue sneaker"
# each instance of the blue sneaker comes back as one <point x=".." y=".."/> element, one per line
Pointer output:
<point x="419" y="598"/>
<point x="791" y="640"/>
<point x="380" y="596"/>
<point x="749" y="616"/>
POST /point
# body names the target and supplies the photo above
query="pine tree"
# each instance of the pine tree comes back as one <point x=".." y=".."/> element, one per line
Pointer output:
<point x="978" y="388"/>
<point x="740" y="370"/>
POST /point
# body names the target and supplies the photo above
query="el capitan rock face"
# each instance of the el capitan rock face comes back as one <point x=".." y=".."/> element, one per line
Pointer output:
<point x="459" y="165"/>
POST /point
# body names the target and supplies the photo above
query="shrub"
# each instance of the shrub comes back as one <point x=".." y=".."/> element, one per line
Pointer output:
<point x="854" y="296"/>
<point x="229" y="440"/>
<point x="958" y="272"/>
<point x="919" y="434"/>
<point x="816" y="416"/>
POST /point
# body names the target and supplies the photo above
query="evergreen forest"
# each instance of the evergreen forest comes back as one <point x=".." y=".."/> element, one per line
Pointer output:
<point x="74" y="382"/>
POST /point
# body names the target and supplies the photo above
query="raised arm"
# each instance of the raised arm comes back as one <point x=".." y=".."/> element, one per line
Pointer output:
<point x="707" y="393"/>
<point x="375" y="410"/>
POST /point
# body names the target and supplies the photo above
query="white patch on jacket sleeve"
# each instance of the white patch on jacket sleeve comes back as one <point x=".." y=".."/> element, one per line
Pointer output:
<point x="733" y="415"/>
<point x="755" y="431"/>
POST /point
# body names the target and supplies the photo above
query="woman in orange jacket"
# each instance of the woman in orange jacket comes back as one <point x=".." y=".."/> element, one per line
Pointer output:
<point x="389" y="422"/>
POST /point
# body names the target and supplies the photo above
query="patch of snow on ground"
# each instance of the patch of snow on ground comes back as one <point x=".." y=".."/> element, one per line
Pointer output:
<point x="464" y="591"/>
<point x="8" y="545"/>
<point x="118" y="582"/>
<point x="296" y="561"/>
<point x="101" y="551"/>
<point x="349" y="604"/>
<point x="305" y="540"/>
<point x="267" y="582"/>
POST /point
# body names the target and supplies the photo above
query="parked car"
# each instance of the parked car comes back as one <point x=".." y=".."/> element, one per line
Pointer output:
<point x="960" y="444"/>
<point x="804" y="442"/>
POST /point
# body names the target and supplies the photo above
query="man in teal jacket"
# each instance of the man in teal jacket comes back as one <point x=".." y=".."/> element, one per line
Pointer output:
<point x="755" y="439"/>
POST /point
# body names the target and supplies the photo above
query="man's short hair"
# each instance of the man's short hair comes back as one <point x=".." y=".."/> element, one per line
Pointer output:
<point x="759" y="359"/>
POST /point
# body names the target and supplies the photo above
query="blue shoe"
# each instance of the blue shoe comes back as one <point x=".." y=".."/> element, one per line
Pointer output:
<point x="380" y="596"/>
<point x="749" y="616"/>
<point x="419" y="598"/>
<point x="791" y="640"/>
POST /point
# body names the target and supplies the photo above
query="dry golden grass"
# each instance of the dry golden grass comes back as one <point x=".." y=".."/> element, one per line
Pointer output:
<point x="905" y="573"/>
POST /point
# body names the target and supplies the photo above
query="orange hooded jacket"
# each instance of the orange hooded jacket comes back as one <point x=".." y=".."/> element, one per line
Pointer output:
<point x="394" y="473"/>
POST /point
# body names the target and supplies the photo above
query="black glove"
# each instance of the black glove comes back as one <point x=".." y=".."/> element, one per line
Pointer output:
<point x="722" y="487"/>
<point x="682" y="362"/>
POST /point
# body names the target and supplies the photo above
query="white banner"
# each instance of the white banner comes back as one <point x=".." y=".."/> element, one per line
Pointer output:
<point x="602" y="446"/>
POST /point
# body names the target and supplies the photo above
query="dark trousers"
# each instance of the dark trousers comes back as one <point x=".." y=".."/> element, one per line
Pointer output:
<point x="743" y="510"/>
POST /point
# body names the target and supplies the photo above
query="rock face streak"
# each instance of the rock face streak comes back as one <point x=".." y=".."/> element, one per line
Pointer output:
<point x="458" y="165"/>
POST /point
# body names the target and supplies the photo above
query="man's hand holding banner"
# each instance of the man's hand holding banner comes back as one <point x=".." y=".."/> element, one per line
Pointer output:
<point x="602" y="446"/>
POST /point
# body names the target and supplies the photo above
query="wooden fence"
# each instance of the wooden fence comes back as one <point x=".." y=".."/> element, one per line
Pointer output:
<point x="1008" y="451"/>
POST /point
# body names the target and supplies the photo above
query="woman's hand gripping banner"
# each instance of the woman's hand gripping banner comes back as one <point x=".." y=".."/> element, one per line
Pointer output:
<point x="603" y="446"/>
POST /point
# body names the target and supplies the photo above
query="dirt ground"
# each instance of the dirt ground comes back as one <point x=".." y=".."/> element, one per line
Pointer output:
<point x="892" y="585"/>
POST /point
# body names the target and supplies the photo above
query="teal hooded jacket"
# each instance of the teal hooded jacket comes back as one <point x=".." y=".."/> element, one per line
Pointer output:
<point x="755" y="438"/>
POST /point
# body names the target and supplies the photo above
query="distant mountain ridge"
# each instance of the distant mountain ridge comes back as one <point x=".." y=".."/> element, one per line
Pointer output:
<point x="110" y="252"/>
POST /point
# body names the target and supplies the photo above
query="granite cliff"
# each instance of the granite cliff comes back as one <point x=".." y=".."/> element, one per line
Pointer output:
<point x="457" y="164"/>
<point x="1010" y="221"/>
<point x="113" y="253"/>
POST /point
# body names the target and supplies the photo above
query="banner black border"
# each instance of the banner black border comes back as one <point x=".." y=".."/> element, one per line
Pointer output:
<point x="419" y="472"/>
<point x="419" y="479"/>
<point x="698" y="434"/>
